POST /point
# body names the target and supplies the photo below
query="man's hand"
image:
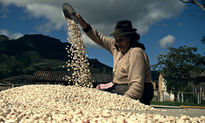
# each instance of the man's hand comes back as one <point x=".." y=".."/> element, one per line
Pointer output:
<point x="104" y="86"/>
<point x="81" y="21"/>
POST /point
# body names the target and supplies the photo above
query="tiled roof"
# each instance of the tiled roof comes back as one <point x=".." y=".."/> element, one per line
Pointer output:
<point x="99" y="77"/>
<point x="57" y="76"/>
<point x="50" y="76"/>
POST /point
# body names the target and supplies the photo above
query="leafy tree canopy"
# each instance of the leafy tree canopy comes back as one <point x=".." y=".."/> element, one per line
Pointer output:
<point x="180" y="67"/>
<point x="203" y="40"/>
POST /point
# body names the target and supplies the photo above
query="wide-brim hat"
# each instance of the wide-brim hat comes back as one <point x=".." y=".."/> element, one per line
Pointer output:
<point x="123" y="27"/>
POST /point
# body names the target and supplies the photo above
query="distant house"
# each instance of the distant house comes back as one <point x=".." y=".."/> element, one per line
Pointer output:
<point x="160" y="89"/>
<point x="15" y="81"/>
<point x="161" y="93"/>
<point x="56" y="77"/>
<point x="50" y="77"/>
<point x="155" y="76"/>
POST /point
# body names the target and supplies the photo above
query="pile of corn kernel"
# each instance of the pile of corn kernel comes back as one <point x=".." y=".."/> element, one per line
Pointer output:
<point x="72" y="104"/>
<point x="79" y="61"/>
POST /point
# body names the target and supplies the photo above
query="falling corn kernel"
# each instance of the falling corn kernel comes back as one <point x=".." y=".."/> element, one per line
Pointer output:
<point x="79" y="62"/>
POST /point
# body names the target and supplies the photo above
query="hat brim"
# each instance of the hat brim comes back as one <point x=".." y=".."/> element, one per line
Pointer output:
<point x="123" y="33"/>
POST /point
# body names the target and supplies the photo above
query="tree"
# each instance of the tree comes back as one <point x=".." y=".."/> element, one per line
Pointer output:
<point x="203" y="40"/>
<point x="200" y="3"/>
<point x="180" y="67"/>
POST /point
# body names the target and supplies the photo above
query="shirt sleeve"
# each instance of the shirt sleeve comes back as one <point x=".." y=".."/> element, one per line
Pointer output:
<point x="136" y="74"/>
<point x="105" y="42"/>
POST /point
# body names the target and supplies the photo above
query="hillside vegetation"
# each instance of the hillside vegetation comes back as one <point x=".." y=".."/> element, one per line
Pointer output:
<point x="32" y="53"/>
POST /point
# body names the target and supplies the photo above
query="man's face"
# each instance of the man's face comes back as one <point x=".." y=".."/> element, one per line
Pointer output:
<point x="123" y="43"/>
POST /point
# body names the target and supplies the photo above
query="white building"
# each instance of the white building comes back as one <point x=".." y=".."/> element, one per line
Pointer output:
<point x="163" y="94"/>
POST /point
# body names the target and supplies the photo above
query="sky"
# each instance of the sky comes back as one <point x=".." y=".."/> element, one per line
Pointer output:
<point x="161" y="23"/>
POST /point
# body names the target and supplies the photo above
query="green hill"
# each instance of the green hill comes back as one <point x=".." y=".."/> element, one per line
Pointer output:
<point x="36" y="52"/>
<point x="45" y="46"/>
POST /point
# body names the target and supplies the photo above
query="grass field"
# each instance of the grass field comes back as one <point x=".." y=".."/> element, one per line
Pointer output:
<point x="177" y="103"/>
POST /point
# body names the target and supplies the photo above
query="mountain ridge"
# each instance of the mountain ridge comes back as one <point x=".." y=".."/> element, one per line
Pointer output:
<point x="37" y="52"/>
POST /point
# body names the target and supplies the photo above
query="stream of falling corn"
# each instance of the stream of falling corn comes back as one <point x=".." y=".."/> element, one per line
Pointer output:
<point x="79" y="61"/>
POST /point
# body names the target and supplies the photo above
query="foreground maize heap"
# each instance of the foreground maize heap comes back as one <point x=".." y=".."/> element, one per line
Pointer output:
<point x="72" y="104"/>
